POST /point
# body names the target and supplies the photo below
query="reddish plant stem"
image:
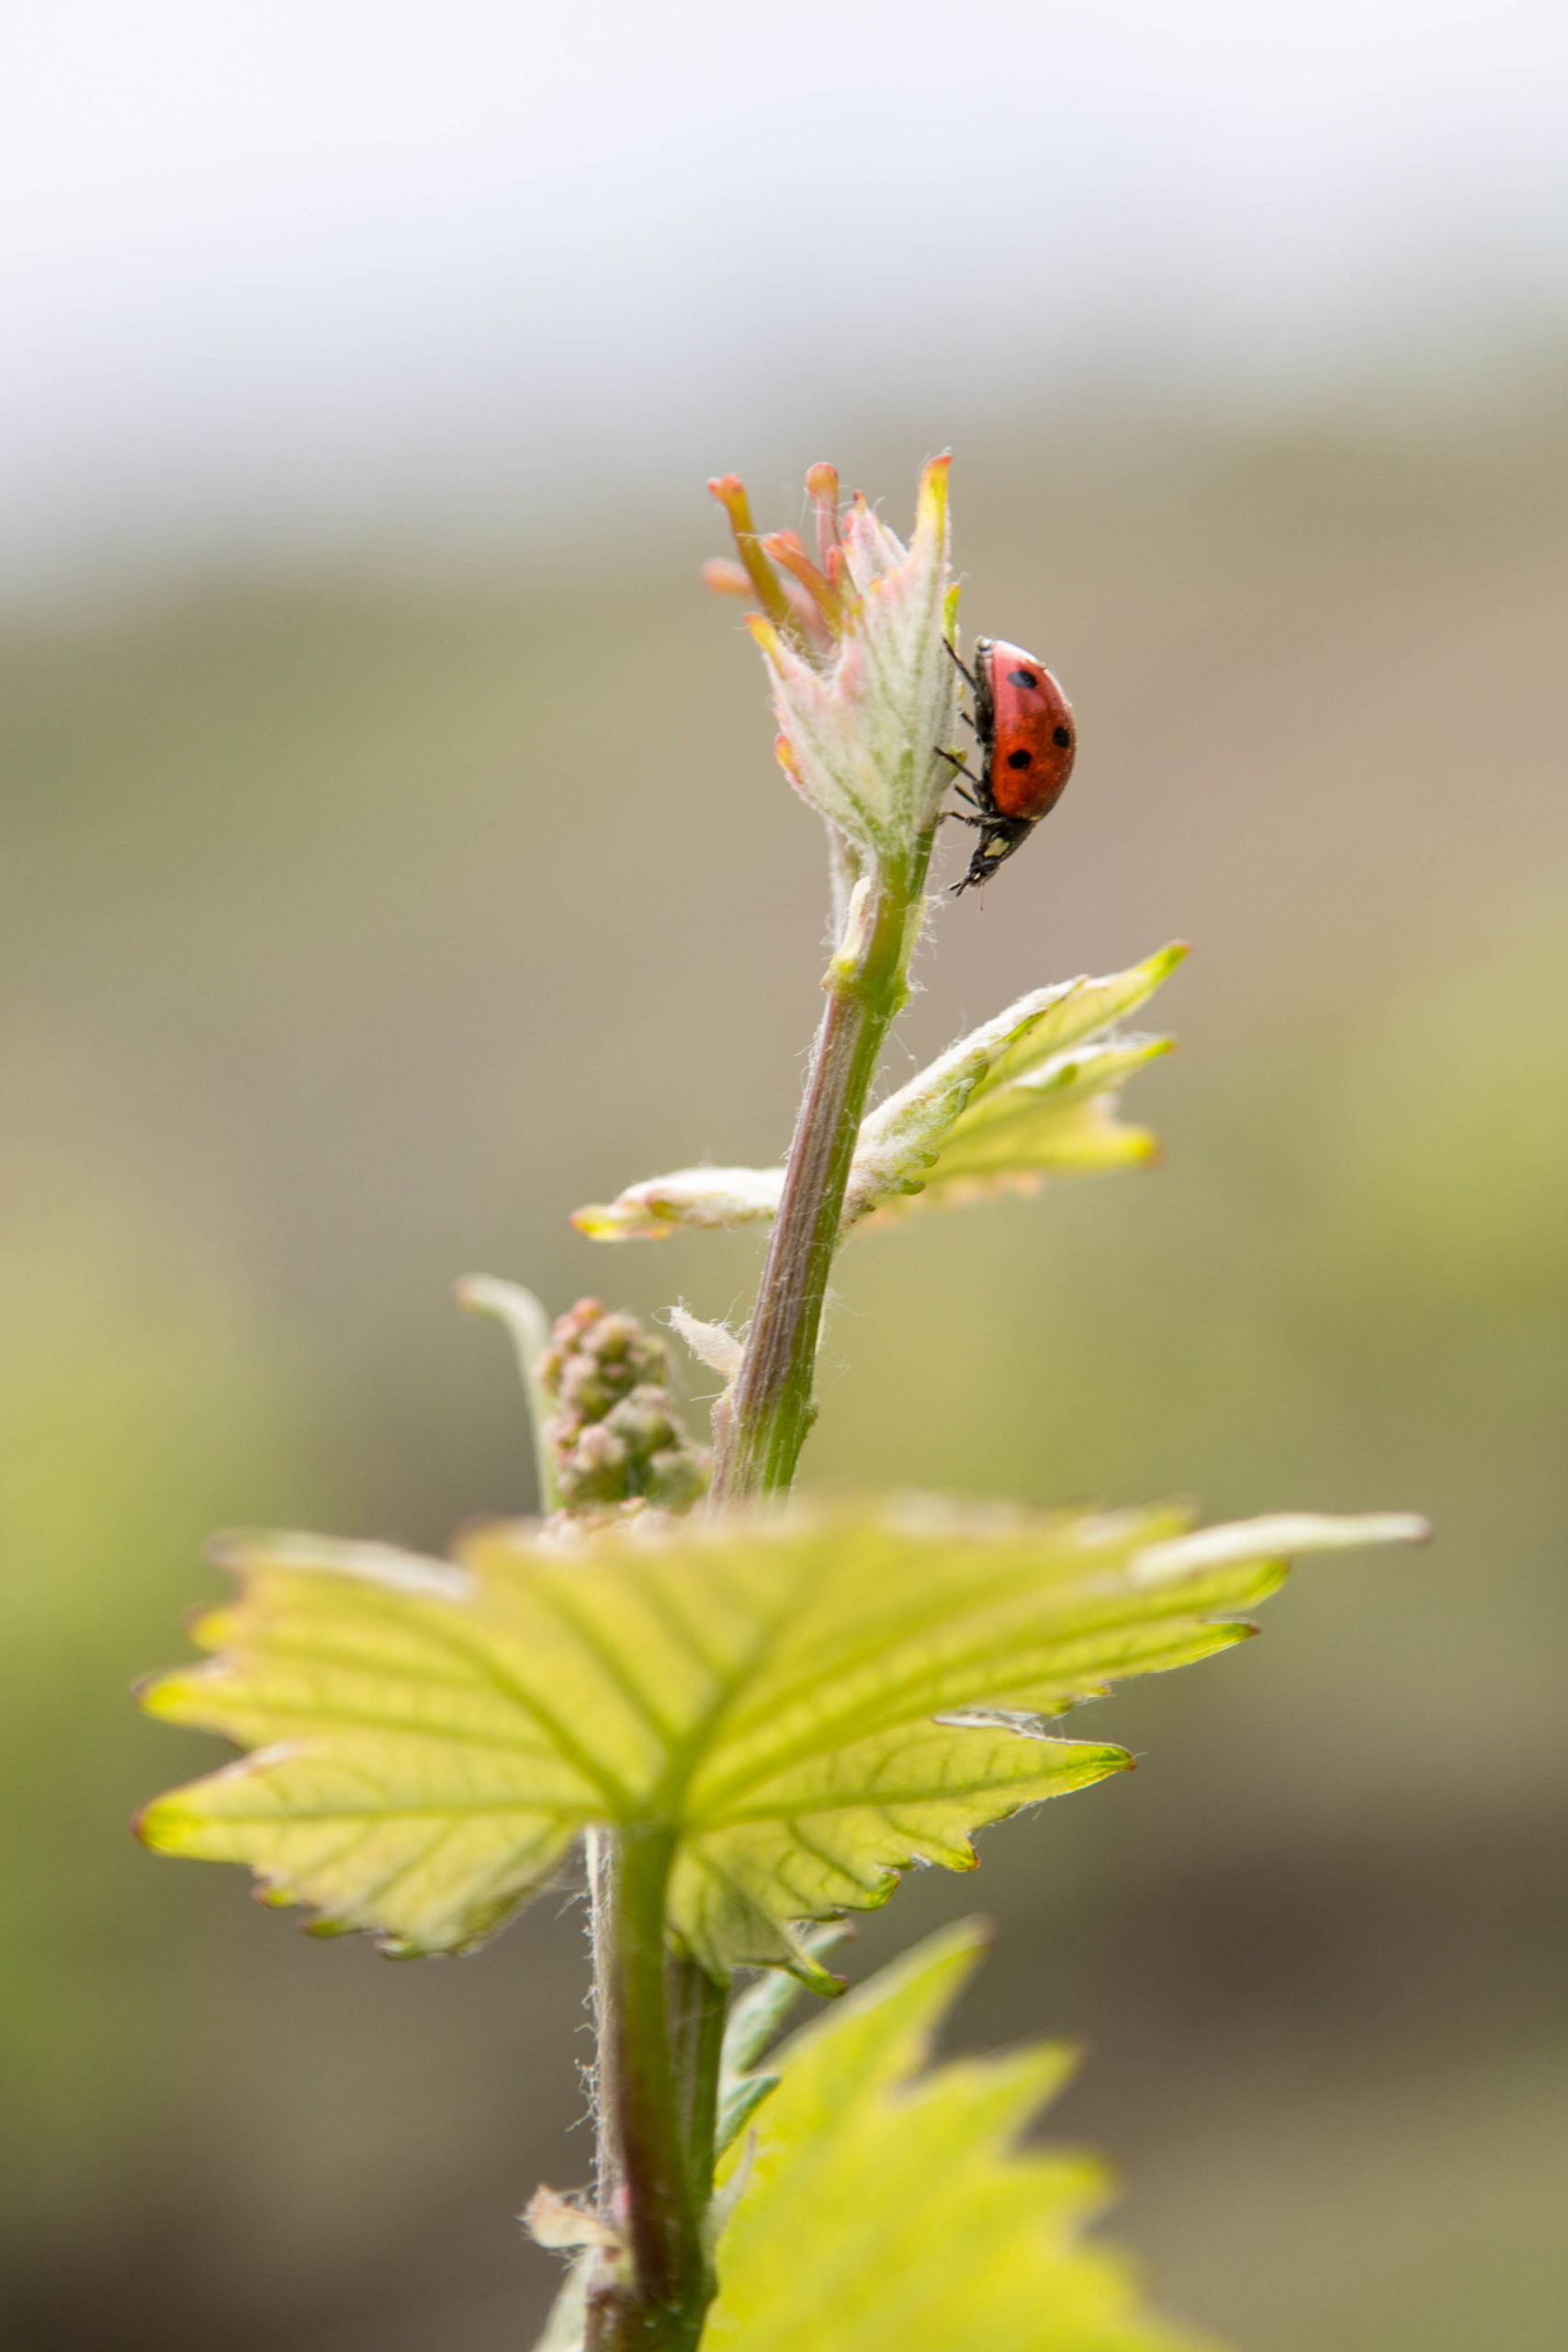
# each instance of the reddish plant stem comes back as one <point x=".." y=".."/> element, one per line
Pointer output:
<point x="767" y="1415"/>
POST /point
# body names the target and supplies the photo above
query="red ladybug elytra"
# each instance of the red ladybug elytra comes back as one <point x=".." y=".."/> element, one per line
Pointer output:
<point x="1024" y="731"/>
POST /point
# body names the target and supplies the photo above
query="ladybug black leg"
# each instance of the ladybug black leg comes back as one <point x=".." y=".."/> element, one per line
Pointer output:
<point x="953" y="761"/>
<point x="964" y="670"/>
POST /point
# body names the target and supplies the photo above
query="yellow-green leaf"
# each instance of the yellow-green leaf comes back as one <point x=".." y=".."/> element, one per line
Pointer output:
<point x="1023" y="1097"/>
<point x="886" y="2205"/>
<point x="809" y="1701"/>
<point x="1059" y="1118"/>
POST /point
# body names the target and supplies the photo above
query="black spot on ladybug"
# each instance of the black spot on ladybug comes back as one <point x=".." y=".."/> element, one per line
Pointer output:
<point x="1022" y="678"/>
<point x="1062" y="737"/>
<point x="1020" y="759"/>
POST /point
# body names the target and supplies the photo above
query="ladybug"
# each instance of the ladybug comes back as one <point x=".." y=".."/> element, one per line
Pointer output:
<point x="1024" y="732"/>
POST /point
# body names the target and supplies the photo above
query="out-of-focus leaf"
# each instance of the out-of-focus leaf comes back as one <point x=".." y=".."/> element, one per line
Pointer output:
<point x="808" y="1701"/>
<point x="755" y="2017"/>
<point x="890" y="2206"/>
<point x="1029" y="1094"/>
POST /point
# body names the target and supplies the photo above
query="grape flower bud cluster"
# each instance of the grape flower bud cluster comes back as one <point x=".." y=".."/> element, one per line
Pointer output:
<point x="615" y="1434"/>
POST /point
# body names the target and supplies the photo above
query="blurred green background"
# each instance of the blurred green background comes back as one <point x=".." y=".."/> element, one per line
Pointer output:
<point x="365" y="908"/>
<point x="352" y="936"/>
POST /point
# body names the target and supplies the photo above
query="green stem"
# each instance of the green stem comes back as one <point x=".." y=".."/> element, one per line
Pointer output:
<point x="768" y="1412"/>
<point x="656" y="2299"/>
<point x="698" y="2004"/>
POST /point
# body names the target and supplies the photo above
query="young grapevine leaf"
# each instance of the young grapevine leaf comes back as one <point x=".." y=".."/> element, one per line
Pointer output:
<point x="1031" y="1094"/>
<point x="808" y="1702"/>
<point x="887" y="2205"/>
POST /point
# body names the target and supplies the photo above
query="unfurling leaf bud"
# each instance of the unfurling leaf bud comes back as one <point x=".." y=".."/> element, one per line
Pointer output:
<point x="719" y="1197"/>
<point x="615" y="1437"/>
<point x="857" y="646"/>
